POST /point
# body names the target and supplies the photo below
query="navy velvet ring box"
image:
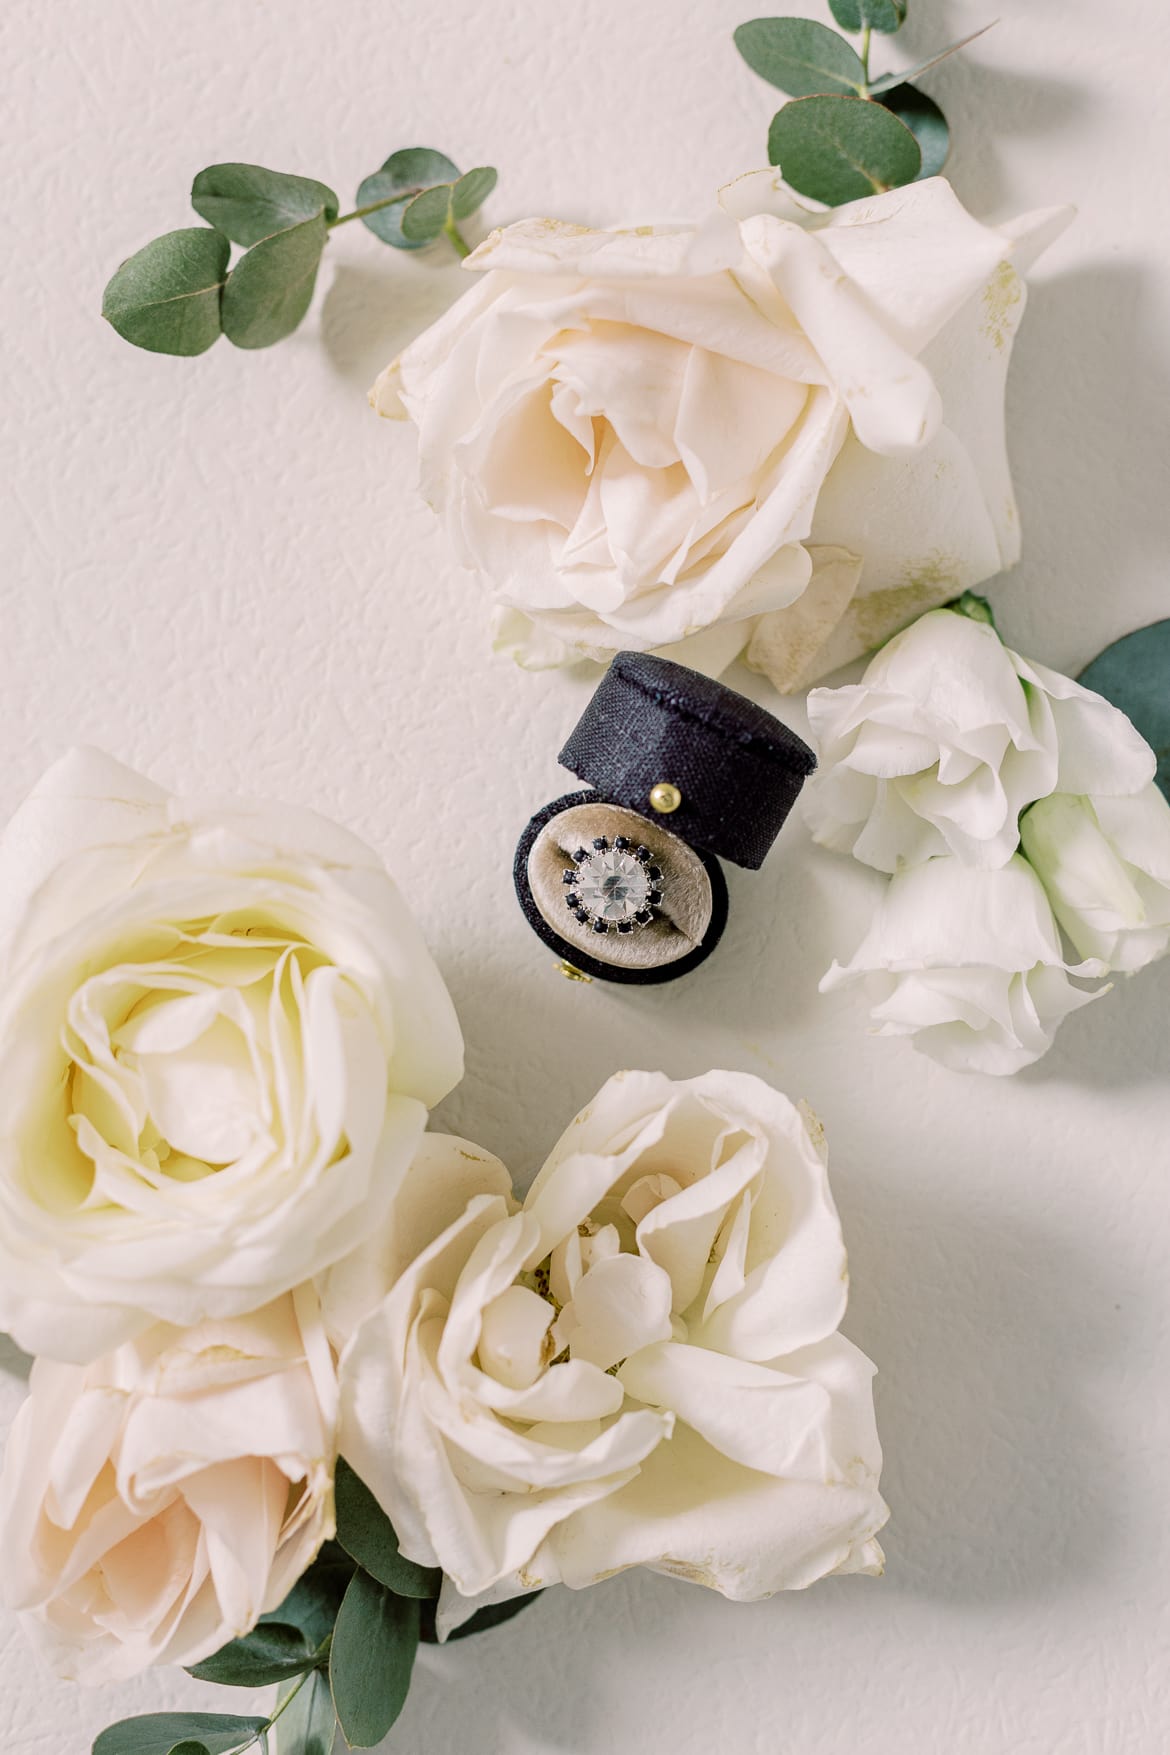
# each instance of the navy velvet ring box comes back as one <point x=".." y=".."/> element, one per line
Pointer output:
<point x="623" y="880"/>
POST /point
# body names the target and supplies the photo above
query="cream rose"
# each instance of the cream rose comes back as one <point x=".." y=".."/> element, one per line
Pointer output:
<point x="781" y="431"/>
<point x="968" y="963"/>
<point x="946" y="740"/>
<point x="641" y="1366"/>
<point x="156" y="1502"/>
<point x="220" y="1031"/>
<point x="1105" y="864"/>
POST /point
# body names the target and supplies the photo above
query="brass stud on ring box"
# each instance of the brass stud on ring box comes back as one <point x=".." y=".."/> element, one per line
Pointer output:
<point x="665" y="798"/>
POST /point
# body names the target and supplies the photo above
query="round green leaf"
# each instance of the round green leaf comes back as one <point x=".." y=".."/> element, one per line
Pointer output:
<point x="248" y="203"/>
<point x="166" y="297"/>
<point x="925" y="121"/>
<point x="858" y="15"/>
<point x="404" y="175"/>
<point x="472" y="190"/>
<point x="1134" y="673"/>
<point x="270" y="288"/>
<point x="424" y="218"/>
<point x="838" y="149"/>
<point x="158" y="1732"/>
<point x="366" y="1533"/>
<point x="800" y="56"/>
<point x="371" y="1659"/>
<point x="190" y="1749"/>
<point x="270" y="1653"/>
<point x="308" y="1725"/>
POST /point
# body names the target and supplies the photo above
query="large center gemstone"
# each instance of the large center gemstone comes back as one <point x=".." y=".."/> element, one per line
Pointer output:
<point x="613" y="885"/>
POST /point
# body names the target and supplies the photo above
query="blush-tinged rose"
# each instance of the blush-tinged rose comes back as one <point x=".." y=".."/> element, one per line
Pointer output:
<point x="968" y="964"/>
<point x="946" y="740"/>
<point x="220" y="1032"/>
<point x="641" y="1366"/>
<point x="779" y="433"/>
<point x="155" y="1502"/>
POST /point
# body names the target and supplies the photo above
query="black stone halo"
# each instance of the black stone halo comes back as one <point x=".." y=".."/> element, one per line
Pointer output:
<point x="613" y="886"/>
<point x="579" y="959"/>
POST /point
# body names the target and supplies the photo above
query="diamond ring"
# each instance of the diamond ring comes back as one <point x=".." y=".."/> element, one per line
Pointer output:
<point x="613" y="885"/>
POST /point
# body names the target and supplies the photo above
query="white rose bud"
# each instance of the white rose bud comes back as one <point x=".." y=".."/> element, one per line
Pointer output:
<point x="641" y="1367"/>
<point x="947" y="738"/>
<point x="220" y="1033"/>
<point x="781" y="430"/>
<point x="1105" y="863"/>
<point x="156" y="1502"/>
<point x="968" y="964"/>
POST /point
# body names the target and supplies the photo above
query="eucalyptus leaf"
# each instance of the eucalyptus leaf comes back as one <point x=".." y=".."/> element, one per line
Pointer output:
<point x="314" y="1600"/>
<point x="1134" y="673"/>
<point x="889" y="80"/>
<point x="838" y="149"/>
<point x="166" y="297"/>
<point x="800" y="56"/>
<point x="404" y="175"/>
<point x="308" y="1725"/>
<point x="925" y="121"/>
<point x="481" y="1622"/>
<point x="270" y="1653"/>
<point x="886" y="16"/>
<point x="190" y="1749"/>
<point x="423" y="218"/>
<point x="472" y="190"/>
<point x="248" y="203"/>
<point x="271" y="286"/>
<point x="371" y="1660"/>
<point x="366" y="1533"/>
<point x="159" y="1732"/>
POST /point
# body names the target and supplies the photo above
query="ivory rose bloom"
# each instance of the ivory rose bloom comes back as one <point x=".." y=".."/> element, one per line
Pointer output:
<point x="156" y="1502"/>
<point x="220" y="1033"/>
<point x="640" y="1366"/>
<point x="947" y="738"/>
<point x="778" y="432"/>
<point x="1105" y="863"/>
<point x="968" y="964"/>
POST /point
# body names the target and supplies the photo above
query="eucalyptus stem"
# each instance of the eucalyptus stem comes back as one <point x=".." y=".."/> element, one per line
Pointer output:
<point x="360" y="212"/>
<point x="458" y="241"/>
<point x="864" y="52"/>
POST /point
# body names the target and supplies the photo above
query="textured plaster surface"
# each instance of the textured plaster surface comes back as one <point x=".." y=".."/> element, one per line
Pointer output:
<point x="219" y="571"/>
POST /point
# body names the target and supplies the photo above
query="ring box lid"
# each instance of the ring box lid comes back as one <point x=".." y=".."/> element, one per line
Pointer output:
<point x="738" y="768"/>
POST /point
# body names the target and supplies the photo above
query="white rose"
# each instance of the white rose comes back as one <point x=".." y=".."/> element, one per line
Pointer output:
<point x="640" y="1367"/>
<point x="968" y="963"/>
<point x="780" y="431"/>
<point x="947" y="738"/>
<point x="156" y="1502"/>
<point x="220" y="1033"/>
<point x="1105" y="863"/>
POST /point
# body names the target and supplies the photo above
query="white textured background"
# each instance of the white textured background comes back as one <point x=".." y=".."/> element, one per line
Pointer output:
<point x="217" y="569"/>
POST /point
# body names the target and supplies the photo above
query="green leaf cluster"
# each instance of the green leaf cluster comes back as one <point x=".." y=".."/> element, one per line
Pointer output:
<point x="181" y="292"/>
<point x="846" y="133"/>
<point x="341" y="1647"/>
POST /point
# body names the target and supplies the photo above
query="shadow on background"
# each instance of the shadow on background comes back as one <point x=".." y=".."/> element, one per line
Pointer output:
<point x="370" y="313"/>
<point x="993" y="1337"/>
